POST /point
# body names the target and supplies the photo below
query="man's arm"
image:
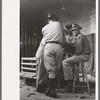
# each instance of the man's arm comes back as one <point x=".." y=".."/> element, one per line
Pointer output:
<point x="86" y="45"/>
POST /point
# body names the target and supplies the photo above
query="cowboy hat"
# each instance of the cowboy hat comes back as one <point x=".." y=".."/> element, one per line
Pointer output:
<point x="75" y="26"/>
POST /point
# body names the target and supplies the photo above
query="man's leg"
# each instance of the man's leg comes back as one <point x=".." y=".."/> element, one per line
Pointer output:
<point x="49" y="61"/>
<point x="59" y="58"/>
<point x="68" y="65"/>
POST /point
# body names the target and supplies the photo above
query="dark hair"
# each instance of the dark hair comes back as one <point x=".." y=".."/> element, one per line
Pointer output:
<point x="52" y="16"/>
<point x="68" y="26"/>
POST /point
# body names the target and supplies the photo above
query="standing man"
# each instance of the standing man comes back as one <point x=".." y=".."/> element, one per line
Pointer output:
<point x="53" y="52"/>
<point x="82" y="53"/>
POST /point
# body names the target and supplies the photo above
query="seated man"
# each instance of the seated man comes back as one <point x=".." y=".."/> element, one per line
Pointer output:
<point x="82" y="53"/>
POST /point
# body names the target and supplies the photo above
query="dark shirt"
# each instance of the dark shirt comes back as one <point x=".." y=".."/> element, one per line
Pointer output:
<point x="83" y="45"/>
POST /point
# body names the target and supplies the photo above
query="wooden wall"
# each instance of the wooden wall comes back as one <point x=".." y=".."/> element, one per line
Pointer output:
<point x="32" y="19"/>
<point x="30" y="30"/>
<point x="77" y="11"/>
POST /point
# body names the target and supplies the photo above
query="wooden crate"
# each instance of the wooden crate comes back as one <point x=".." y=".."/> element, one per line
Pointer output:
<point x="28" y="67"/>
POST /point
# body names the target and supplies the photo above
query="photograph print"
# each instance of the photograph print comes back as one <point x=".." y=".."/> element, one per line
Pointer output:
<point x="57" y="49"/>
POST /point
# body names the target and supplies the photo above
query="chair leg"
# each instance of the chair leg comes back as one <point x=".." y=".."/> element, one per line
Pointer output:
<point x="74" y="86"/>
<point x="58" y="84"/>
<point x="74" y="78"/>
<point x="87" y="83"/>
<point x="83" y="75"/>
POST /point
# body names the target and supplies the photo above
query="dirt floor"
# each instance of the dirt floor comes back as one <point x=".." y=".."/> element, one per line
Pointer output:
<point x="28" y="92"/>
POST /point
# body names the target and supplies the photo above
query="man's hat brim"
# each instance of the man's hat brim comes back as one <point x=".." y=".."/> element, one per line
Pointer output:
<point x="51" y="16"/>
<point x="76" y="28"/>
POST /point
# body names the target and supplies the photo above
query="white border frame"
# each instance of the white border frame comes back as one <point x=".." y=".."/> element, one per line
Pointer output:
<point x="96" y="81"/>
<point x="10" y="49"/>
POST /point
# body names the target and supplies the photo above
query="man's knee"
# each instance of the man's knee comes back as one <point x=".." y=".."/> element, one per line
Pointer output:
<point x="65" y="63"/>
<point x="52" y="75"/>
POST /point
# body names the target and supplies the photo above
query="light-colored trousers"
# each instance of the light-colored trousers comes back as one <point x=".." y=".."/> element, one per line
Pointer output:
<point x="40" y="64"/>
<point x="53" y="56"/>
<point x="69" y="63"/>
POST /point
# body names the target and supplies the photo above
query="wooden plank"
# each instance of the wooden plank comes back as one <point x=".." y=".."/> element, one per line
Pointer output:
<point x="28" y="58"/>
<point x="80" y="86"/>
<point x="33" y="69"/>
<point x="31" y="73"/>
<point x="28" y="75"/>
<point x="28" y="64"/>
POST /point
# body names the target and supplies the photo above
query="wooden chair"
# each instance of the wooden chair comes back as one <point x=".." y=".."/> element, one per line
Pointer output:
<point x="80" y="73"/>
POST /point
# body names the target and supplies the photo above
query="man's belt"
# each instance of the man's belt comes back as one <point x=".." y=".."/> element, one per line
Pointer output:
<point x="54" y="42"/>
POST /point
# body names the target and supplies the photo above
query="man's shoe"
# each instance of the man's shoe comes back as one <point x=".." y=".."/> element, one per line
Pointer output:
<point x="53" y="93"/>
<point x="70" y="85"/>
<point x="48" y="91"/>
<point x="41" y="89"/>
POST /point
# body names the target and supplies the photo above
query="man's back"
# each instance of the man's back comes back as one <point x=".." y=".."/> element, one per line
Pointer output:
<point x="53" y="32"/>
